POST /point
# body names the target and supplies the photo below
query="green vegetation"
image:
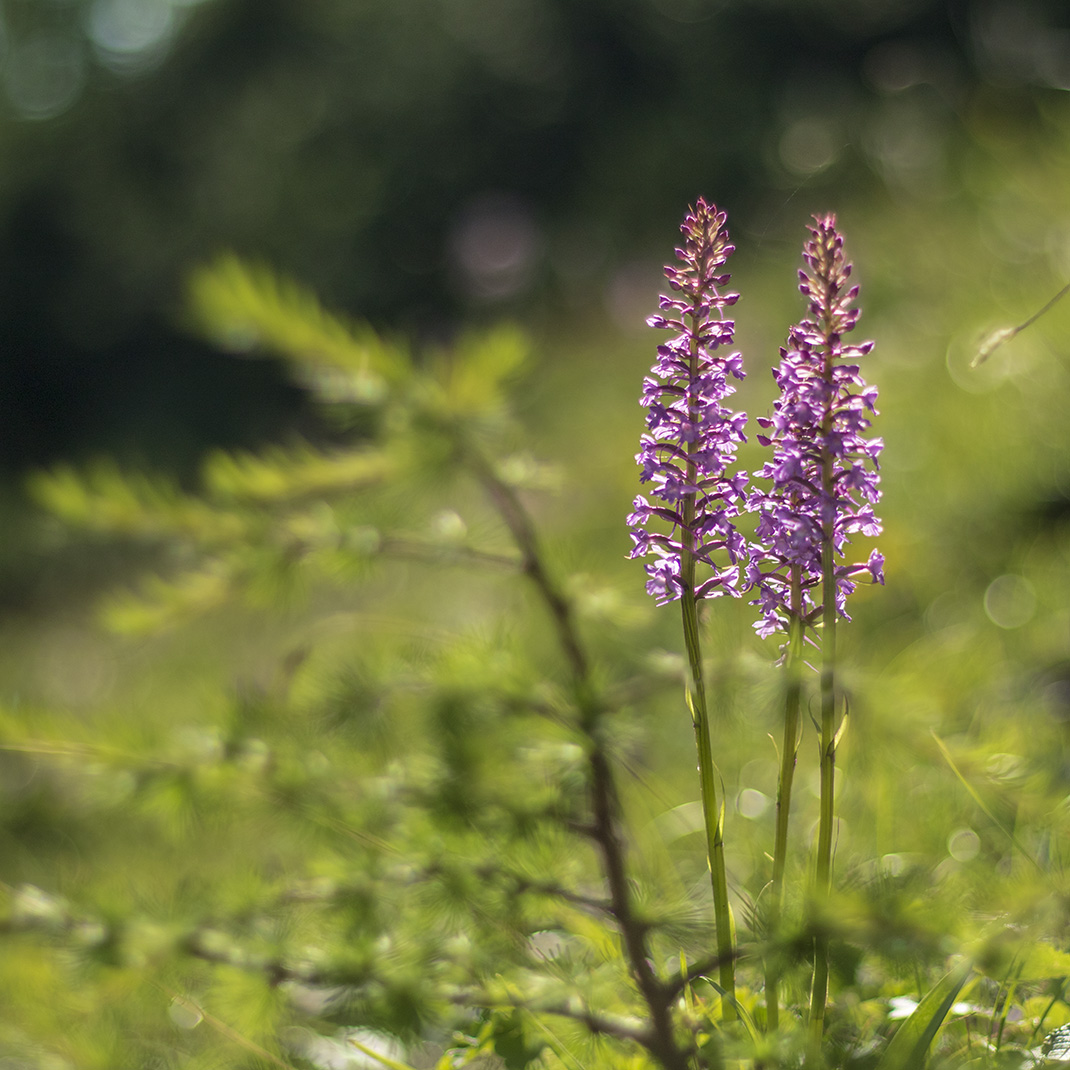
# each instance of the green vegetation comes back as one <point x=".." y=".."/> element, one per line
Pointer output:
<point x="350" y="785"/>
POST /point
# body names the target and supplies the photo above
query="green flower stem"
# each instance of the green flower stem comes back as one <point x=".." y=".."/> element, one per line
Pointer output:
<point x="788" y="755"/>
<point x="823" y="870"/>
<point x="712" y="814"/>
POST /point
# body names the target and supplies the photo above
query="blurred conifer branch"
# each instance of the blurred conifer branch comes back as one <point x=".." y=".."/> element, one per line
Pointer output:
<point x="247" y="308"/>
<point x="436" y="829"/>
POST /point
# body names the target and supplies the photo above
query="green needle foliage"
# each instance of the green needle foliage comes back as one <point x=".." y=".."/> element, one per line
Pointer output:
<point x="434" y="832"/>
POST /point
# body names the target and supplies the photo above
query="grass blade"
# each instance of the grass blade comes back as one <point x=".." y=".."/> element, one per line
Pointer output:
<point x="909" y="1048"/>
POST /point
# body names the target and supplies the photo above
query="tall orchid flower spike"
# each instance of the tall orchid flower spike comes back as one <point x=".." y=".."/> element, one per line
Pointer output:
<point x="824" y="471"/>
<point x="824" y="484"/>
<point x="685" y="455"/>
<point x="691" y="436"/>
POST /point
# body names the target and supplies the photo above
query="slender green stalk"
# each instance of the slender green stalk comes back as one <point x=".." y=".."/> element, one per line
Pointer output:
<point x="713" y="815"/>
<point x="711" y="812"/>
<point x="823" y="870"/>
<point x="788" y="755"/>
<point x="825" y="481"/>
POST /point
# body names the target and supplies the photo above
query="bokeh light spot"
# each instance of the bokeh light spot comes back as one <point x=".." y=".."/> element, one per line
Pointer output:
<point x="130" y="34"/>
<point x="962" y="352"/>
<point x="1017" y="44"/>
<point x="905" y="141"/>
<point x="1010" y="601"/>
<point x="43" y="76"/>
<point x="494" y="245"/>
<point x="963" y="845"/>
<point x="184" y="1014"/>
<point x="752" y="803"/>
<point x="893" y="66"/>
<point x="809" y="145"/>
<point x="892" y="865"/>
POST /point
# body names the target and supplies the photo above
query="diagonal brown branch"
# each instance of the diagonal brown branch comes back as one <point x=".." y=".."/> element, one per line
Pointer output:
<point x="604" y="828"/>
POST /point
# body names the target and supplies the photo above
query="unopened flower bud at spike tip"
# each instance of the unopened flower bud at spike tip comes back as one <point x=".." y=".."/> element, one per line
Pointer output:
<point x="692" y="436"/>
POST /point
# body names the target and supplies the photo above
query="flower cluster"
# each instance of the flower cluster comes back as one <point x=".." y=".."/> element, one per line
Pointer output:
<point x="692" y="437"/>
<point x="824" y="471"/>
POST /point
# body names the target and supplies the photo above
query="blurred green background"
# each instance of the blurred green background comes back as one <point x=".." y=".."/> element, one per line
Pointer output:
<point x="430" y="165"/>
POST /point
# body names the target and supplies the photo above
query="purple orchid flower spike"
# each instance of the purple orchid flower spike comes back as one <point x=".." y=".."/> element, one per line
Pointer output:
<point x="823" y="484"/>
<point x="692" y="437"/>
<point x="824" y="471"/>
<point x="685" y="455"/>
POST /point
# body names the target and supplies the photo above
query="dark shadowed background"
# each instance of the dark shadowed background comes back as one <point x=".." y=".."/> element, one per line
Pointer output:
<point x="420" y="162"/>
